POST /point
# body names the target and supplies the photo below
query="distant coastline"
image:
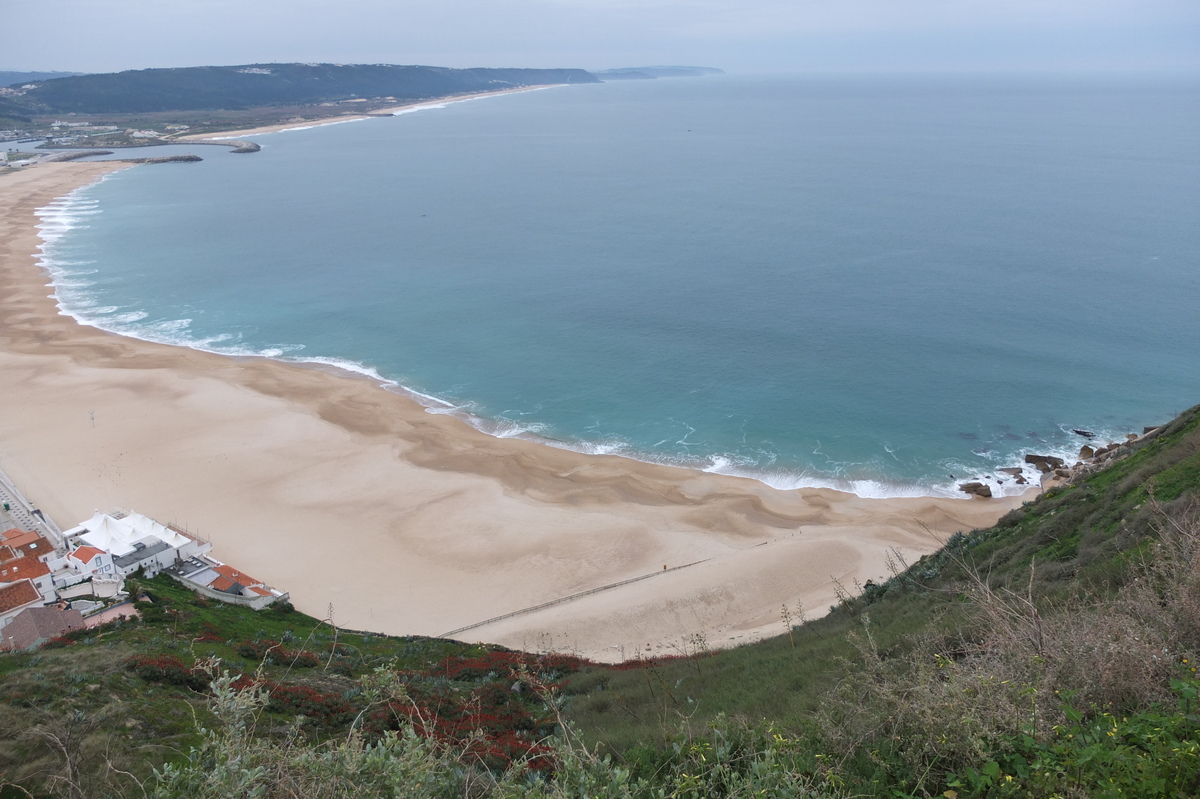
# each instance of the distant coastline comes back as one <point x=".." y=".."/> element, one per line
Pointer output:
<point x="307" y="124"/>
<point x="784" y="478"/>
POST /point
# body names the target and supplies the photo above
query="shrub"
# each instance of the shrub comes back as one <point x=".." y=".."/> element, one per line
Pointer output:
<point x="273" y="652"/>
<point x="166" y="669"/>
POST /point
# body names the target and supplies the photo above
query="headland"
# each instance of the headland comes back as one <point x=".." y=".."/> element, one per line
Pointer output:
<point x="228" y="137"/>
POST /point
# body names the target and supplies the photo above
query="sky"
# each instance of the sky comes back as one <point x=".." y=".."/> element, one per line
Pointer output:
<point x="741" y="36"/>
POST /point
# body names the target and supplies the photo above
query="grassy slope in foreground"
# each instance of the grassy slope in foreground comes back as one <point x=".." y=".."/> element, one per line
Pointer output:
<point x="1071" y="545"/>
<point x="954" y="681"/>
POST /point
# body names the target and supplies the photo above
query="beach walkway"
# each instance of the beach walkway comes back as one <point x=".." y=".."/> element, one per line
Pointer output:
<point x="570" y="597"/>
<point x="18" y="512"/>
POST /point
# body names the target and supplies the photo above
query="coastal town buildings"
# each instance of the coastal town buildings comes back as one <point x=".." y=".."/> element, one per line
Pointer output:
<point x="224" y="582"/>
<point x="134" y="542"/>
<point x="38" y="577"/>
<point x="26" y="555"/>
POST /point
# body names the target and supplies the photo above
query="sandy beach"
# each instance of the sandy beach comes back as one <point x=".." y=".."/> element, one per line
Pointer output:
<point x="355" y="498"/>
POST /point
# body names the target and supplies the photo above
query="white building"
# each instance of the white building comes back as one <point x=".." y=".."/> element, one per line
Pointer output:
<point x="88" y="561"/>
<point x="134" y="542"/>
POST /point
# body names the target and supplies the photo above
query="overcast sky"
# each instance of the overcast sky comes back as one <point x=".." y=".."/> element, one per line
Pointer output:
<point x="744" y="36"/>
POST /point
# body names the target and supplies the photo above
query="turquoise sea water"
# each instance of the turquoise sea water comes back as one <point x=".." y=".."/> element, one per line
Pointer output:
<point x="881" y="284"/>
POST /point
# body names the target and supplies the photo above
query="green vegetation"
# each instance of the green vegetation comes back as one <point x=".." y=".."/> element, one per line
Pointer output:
<point x="257" y="85"/>
<point x="17" y="78"/>
<point x="1051" y="655"/>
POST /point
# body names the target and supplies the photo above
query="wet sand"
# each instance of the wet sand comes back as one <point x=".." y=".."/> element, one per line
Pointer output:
<point x="354" y="498"/>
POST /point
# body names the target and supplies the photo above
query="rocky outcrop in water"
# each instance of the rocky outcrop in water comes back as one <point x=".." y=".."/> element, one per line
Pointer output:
<point x="1045" y="463"/>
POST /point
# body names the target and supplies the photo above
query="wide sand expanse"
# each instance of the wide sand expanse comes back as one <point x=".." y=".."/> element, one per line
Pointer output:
<point x="353" y="497"/>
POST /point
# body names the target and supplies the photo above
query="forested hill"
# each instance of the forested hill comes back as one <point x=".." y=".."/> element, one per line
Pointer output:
<point x="258" y="85"/>
<point x="10" y="78"/>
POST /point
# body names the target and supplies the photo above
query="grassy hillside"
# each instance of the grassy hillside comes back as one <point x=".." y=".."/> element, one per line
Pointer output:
<point x="1050" y="655"/>
<point x="1076" y="557"/>
<point x="257" y="85"/>
<point x="1074" y="543"/>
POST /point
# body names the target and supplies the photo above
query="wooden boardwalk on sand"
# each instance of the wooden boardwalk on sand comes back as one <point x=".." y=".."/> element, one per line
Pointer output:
<point x="568" y="598"/>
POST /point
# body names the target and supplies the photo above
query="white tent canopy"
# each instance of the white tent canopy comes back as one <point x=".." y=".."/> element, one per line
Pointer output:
<point x="117" y="535"/>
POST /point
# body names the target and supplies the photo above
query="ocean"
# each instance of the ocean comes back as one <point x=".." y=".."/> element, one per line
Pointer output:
<point x="887" y="285"/>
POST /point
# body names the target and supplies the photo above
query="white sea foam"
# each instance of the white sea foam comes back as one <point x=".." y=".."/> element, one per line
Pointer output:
<point x="345" y="365"/>
<point x="73" y="292"/>
<point x="414" y="109"/>
<point x="395" y="112"/>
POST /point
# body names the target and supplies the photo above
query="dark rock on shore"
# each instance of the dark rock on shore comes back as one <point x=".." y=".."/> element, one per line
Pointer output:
<point x="1045" y="463"/>
<point x="977" y="489"/>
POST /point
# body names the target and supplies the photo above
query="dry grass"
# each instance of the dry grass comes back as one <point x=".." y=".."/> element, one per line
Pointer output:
<point x="952" y="703"/>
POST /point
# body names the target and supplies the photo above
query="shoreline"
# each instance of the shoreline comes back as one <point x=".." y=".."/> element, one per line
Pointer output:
<point x="781" y="479"/>
<point x="409" y="522"/>
<point x="222" y="137"/>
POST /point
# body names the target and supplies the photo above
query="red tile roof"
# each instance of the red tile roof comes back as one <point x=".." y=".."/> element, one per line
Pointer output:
<point x="27" y="567"/>
<point x="235" y="575"/>
<point x="16" y="538"/>
<point x="28" y="543"/>
<point x="17" y="594"/>
<point x="85" y="554"/>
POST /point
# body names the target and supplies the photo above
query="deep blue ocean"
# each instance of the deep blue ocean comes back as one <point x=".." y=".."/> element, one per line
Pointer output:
<point x="882" y="284"/>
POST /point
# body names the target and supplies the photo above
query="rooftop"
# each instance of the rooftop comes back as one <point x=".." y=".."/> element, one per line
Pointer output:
<point x="17" y="594"/>
<point x="233" y="574"/>
<point x="85" y="553"/>
<point x="27" y="543"/>
<point x="119" y="532"/>
<point x="38" y="624"/>
<point x="28" y="567"/>
<point x="139" y="551"/>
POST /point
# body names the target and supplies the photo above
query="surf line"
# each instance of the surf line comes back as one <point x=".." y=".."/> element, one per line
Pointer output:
<point x="570" y="597"/>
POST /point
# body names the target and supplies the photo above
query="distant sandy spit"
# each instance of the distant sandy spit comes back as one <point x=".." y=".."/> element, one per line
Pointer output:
<point x="304" y="124"/>
<point x="361" y="503"/>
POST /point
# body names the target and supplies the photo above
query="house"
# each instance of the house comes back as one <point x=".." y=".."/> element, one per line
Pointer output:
<point x="27" y="556"/>
<point x="16" y="597"/>
<point x="231" y="581"/>
<point x="30" y="569"/>
<point x="27" y="543"/>
<point x="35" y="626"/>
<point x="88" y="571"/>
<point x="224" y="582"/>
<point x="88" y="561"/>
<point x="134" y="541"/>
